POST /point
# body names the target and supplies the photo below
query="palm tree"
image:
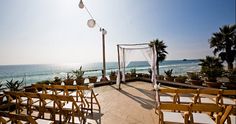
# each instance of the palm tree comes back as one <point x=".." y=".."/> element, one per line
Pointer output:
<point x="160" y="50"/>
<point x="224" y="43"/>
<point x="211" y="67"/>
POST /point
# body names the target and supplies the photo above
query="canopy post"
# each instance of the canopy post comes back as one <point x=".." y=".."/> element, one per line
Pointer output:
<point x="118" y="51"/>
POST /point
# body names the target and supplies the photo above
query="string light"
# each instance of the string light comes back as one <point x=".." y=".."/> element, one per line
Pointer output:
<point x="91" y="22"/>
<point x="81" y="4"/>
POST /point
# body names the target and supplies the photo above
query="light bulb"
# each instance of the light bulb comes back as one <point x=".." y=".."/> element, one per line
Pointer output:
<point x="81" y="4"/>
<point x="104" y="32"/>
<point x="91" y="23"/>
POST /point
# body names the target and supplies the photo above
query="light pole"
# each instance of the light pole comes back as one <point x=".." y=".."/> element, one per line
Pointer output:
<point x="104" y="78"/>
<point x="91" y="23"/>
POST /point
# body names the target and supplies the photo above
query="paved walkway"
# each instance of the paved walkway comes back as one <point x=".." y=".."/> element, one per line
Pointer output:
<point x="134" y="104"/>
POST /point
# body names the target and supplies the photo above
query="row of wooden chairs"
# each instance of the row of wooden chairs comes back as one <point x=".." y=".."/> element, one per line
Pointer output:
<point x="64" y="106"/>
<point x="201" y="100"/>
<point x="83" y="94"/>
<point x="6" y="117"/>
<point x="213" y="96"/>
<point x="186" y="113"/>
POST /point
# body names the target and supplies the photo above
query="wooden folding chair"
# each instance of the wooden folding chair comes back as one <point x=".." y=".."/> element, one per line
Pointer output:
<point x="166" y="95"/>
<point x="166" y="114"/>
<point x="18" y="98"/>
<point x="186" y="96"/>
<point x="70" y="109"/>
<point x="221" y="113"/>
<point x="90" y="98"/>
<point x="211" y="96"/>
<point x="227" y="100"/>
<point x="33" y="102"/>
<point x="48" y="105"/>
<point x="232" y="117"/>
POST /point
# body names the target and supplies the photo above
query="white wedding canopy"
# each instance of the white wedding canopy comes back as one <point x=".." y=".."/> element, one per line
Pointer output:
<point x="129" y="52"/>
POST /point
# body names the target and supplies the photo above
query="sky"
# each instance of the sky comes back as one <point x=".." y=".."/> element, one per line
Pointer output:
<point x="56" y="31"/>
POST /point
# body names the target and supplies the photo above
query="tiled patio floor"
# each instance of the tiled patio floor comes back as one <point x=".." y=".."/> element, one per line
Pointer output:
<point x="134" y="104"/>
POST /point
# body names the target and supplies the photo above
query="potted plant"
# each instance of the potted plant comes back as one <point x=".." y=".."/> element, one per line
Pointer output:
<point x="113" y="76"/>
<point x="169" y="76"/>
<point x="194" y="78"/>
<point x="150" y="72"/>
<point x="232" y="79"/>
<point x="92" y="79"/>
<point x="181" y="79"/>
<point x="14" y="85"/>
<point x="160" y="77"/>
<point x="0" y="94"/>
<point x="133" y="73"/>
<point x="79" y="76"/>
<point x="0" y="84"/>
<point x="212" y="68"/>
<point x="146" y="76"/>
<point x="128" y="77"/>
<point x="69" y="80"/>
<point x="140" y="75"/>
<point x="57" y="81"/>
<point x="44" y="82"/>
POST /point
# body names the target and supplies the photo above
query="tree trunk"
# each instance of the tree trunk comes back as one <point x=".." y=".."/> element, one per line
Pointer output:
<point x="157" y="63"/>
<point x="230" y="65"/>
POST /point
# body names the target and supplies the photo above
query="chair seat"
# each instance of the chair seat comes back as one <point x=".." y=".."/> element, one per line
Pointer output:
<point x="233" y="119"/>
<point x="24" y="98"/>
<point x="60" y="93"/>
<point x="202" y="118"/>
<point x="24" y="102"/>
<point x="49" y="105"/>
<point x="68" y="106"/>
<point x="49" y="92"/>
<point x="73" y="93"/>
<point x="170" y="117"/>
<point x="207" y="100"/>
<point x="166" y="99"/>
<point x="36" y="103"/>
<point x="35" y="99"/>
<point x="186" y="100"/>
<point x="229" y="101"/>
<point x="23" y="122"/>
<point x="42" y="121"/>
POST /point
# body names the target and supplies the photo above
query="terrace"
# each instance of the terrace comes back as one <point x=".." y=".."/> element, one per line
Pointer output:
<point x="135" y="103"/>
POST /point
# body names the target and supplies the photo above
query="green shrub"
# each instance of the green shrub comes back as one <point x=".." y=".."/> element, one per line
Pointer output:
<point x="14" y="85"/>
<point x="78" y="73"/>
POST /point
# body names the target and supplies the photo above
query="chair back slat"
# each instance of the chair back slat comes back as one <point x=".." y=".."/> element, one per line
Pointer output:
<point x="173" y="106"/>
<point x="206" y="107"/>
<point x="229" y="92"/>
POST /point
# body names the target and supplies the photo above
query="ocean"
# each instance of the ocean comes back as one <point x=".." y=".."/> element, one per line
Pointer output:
<point x="35" y="73"/>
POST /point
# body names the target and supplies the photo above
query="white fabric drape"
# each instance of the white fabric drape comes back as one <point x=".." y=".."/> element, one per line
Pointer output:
<point x="150" y="55"/>
<point x="122" y="65"/>
<point x="154" y="66"/>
